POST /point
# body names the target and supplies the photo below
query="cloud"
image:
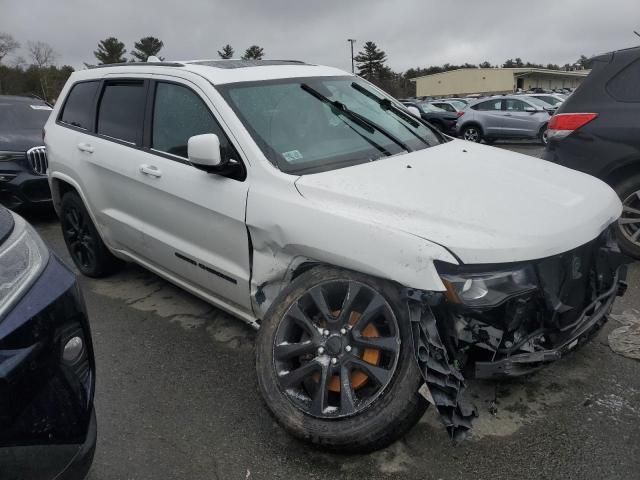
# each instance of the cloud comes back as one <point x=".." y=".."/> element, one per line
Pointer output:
<point x="412" y="32"/>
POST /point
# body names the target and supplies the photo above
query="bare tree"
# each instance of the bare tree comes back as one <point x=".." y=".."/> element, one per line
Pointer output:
<point x="43" y="56"/>
<point x="7" y="45"/>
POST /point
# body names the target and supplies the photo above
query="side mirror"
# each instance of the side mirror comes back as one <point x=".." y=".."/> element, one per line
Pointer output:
<point x="204" y="151"/>
<point x="531" y="109"/>
<point x="414" y="111"/>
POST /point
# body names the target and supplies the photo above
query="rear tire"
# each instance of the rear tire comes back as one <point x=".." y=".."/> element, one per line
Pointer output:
<point x="543" y="137"/>
<point x="472" y="133"/>
<point x="628" y="228"/>
<point x="365" y="423"/>
<point x="87" y="250"/>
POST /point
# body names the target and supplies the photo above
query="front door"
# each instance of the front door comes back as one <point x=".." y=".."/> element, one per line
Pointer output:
<point x="517" y="121"/>
<point x="194" y="221"/>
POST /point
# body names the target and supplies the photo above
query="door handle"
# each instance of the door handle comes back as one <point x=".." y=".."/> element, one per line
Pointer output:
<point x="85" y="147"/>
<point x="151" y="170"/>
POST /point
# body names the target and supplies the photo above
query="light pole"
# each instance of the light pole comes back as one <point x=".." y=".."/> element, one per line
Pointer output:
<point x="352" y="41"/>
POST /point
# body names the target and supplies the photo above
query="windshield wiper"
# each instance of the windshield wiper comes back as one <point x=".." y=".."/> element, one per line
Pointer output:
<point x="340" y="108"/>
<point x="387" y="105"/>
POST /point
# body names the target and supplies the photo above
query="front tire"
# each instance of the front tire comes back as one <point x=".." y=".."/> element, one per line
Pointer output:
<point x="335" y="361"/>
<point x="87" y="250"/>
<point x="628" y="228"/>
<point x="471" y="133"/>
<point x="543" y="136"/>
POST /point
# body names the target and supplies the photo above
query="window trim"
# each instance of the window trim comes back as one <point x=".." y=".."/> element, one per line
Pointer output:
<point x="148" y="127"/>
<point x="103" y="86"/>
<point x="92" y="112"/>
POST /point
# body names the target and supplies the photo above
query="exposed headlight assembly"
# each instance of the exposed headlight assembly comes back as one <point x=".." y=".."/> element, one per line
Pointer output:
<point x="488" y="289"/>
<point x="23" y="256"/>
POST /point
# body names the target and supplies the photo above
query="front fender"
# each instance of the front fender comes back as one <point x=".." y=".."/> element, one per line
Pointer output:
<point x="286" y="230"/>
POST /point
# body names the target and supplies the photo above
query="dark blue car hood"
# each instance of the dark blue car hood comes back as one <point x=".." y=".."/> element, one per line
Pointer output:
<point x="20" y="140"/>
<point x="6" y="224"/>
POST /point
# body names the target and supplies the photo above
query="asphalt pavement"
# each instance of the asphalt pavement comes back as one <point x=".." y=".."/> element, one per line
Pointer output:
<point x="177" y="399"/>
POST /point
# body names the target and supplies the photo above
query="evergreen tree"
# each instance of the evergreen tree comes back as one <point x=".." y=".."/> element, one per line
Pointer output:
<point x="147" y="47"/>
<point x="254" y="52"/>
<point x="110" y="50"/>
<point x="226" y="52"/>
<point x="371" y="61"/>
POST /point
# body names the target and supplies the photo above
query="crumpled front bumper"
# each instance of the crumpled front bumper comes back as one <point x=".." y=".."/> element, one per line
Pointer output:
<point x="589" y="323"/>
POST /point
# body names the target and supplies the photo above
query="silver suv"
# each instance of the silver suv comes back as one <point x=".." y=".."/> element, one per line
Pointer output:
<point x="504" y="117"/>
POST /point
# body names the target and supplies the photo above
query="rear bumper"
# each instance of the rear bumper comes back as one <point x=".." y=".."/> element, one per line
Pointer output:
<point x="589" y="323"/>
<point x="20" y="188"/>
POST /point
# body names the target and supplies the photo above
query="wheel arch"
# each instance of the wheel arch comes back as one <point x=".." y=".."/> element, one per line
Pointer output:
<point x="472" y="123"/>
<point x="622" y="172"/>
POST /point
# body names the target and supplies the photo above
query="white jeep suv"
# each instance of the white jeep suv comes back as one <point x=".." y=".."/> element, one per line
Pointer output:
<point x="379" y="258"/>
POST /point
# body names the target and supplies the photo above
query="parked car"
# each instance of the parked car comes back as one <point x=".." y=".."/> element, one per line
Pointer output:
<point x="23" y="158"/>
<point x="504" y="117"/>
<point x="377" y="256"/>
<point x="441" y="119"/>
<point x="449" y="106"/>
<point x="597" y="131"/>
<point x="47" y="371"/>
<point x="552" y="99"/>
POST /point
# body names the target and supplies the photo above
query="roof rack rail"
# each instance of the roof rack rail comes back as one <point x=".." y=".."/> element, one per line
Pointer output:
<point x="138" y="64"/>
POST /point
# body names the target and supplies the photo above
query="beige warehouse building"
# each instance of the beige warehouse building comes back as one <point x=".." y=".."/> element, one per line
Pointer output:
<point x="466" y="81"/>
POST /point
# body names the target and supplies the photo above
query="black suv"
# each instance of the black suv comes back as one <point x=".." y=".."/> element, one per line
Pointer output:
<point x="23" y="159"/>
<point x="597" y="131"/>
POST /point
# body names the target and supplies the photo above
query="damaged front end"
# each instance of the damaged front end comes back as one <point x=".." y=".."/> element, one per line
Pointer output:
<point x="497" y="321"/>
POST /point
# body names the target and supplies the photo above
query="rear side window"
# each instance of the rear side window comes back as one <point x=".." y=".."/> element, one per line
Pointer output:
<point x="179" y="113"/>
<point x="490" y="105"/>
<point x="625" y="86"/>
<point x="121" y="110"/>
<point x="78" y="108"/>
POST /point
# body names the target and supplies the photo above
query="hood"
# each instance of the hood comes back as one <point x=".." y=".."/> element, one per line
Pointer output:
<point x="20" y="140"/>
<point x="485" y="204"/>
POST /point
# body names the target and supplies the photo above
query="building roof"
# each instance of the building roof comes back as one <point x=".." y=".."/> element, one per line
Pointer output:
<point x="520" y="71"/>
<point x="222" y="71"/>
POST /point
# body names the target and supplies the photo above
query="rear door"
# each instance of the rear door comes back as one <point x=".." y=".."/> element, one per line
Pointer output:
<point x="490" y="115"/>
<point x="110" y="158"/>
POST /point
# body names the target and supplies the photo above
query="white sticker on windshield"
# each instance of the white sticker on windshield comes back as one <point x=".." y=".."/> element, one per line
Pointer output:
<point x="41" y="107"/>
<point x="292" y="155"/>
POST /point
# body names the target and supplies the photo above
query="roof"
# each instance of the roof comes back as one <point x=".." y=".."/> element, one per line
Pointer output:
<point x="224" y="71"/>
<point x="520" y="71"/>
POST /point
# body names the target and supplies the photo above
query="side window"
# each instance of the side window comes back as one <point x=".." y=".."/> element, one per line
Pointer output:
<point x="178" y="114"/>
<point x="121" y="110"/>
<point x="513" y="105"/>
<point x="488" y="106"/>
<point x="625" y="86"/>
<point x="78" y="107"/>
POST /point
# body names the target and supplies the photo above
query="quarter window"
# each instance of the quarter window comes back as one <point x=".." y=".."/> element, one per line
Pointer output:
<point x="121" y="111"/>
<point x="78" y="108"/>
<point x="179" y="114"/>
<point x="624" y="87"/>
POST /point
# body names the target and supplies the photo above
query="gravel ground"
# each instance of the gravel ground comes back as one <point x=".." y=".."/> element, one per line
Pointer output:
<point x="177" y="399"/>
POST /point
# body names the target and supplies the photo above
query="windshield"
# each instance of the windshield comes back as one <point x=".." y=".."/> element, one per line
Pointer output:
<point x="308" y="125"/>
<point x="23" y="116"/>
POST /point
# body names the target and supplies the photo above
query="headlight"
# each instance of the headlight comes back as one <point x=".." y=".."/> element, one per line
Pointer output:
<point x="22" y="257"/>
<point x="488" y="289"/>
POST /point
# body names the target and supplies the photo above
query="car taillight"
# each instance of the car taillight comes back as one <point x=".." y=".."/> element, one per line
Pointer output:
<point x="563" y="124"/>
<point x="460" y="114"/>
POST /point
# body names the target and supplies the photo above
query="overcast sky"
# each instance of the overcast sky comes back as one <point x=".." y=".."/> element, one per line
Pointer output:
<point x="412" y="32"/>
